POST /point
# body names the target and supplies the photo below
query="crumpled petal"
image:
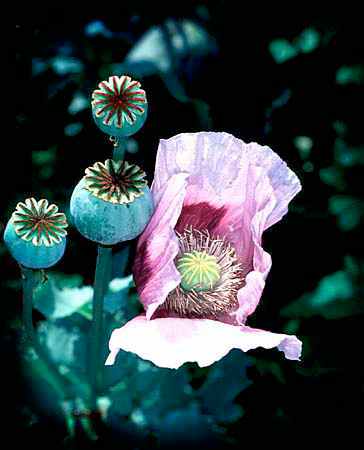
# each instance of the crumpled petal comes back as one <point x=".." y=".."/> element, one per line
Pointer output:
<point x="261" y="261"/>
<point x="283" y="180"/>
<point x="154" y="272"/>
<point x="171" y="342"/>
<point x="220" y="170"/>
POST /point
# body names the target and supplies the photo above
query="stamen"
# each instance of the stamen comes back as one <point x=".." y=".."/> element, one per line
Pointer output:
<point x="211" y="277"/>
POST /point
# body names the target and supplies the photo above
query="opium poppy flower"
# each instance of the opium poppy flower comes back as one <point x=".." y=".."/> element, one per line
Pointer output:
<point x="200" y="267"/>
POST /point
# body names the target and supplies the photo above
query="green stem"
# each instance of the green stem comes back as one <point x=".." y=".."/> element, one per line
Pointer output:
<point x="102" y="275"/>
<point x="29" y="281"/>
<point x="119" y="149"/>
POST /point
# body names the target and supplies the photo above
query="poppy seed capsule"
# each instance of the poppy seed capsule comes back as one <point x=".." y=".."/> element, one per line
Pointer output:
<point x="112" y="203"/>
<point x="36" y="234"/>
<point x="119" y="106"/>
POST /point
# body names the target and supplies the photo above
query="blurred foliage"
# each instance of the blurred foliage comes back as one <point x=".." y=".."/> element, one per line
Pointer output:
<point x="297" y="86"/>
<point x="337" y="295"/>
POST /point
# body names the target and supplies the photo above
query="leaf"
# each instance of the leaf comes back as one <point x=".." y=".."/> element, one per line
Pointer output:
<point x="336" y="296"/>
<point x="44" y="157"/>
<point x="97" y="28"/>
<point x="346" y="155"/>
<point x="155" y="52"/>
<point x="117" y="293"/>
<point x="66" y="346"/>
<point x="226" y="379"/>
<point x="73" y="129"/>
<point x="61" y="296"/>
<point x="350" y="75"/>
<point x="64" y="65"/>
<point x="308" y="40"/>
<point x="282" y="50"/>
<point x="304" y="145"/>
<point x="121" y="397"/>
<point x="333" y="176"/>
<point x="348" y="210"/>
<point x="78" y="103"/>
<point x="201" y="428"/>
<point x="38" y="66"/>
<point x="41" y="379"/>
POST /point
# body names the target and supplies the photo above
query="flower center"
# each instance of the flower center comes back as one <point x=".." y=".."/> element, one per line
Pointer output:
<point x="211" y="276"/>
<point x="115" y="181"/>
<point x="199" y="271"/>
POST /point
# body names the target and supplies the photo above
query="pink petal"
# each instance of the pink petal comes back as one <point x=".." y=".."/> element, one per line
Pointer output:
<point x="171" y="342"/>
<point x="219" y="166"/>
<point x="255" y="220"/>
<point x="154" y="271"/>
<point x="283" y="180"/>
<point x="217" y="185"/>
<point x="216" y="182"/>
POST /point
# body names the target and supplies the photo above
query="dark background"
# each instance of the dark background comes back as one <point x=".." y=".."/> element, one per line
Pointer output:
<point x="263" y="78"/>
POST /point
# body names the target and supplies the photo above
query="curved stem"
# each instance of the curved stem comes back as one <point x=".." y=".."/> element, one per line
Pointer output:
<point x="119" y="149"/>
<point x="29" y="283"/>
<point x="102" y="275"/>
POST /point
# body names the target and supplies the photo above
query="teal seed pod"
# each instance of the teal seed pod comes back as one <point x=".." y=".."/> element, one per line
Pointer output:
<point x="36" y="234"/>
<point x="112" y="203"/>
<point x="119" y="106"/>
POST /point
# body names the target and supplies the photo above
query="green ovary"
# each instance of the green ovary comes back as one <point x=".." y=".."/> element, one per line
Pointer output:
<point x="199" y="271"/>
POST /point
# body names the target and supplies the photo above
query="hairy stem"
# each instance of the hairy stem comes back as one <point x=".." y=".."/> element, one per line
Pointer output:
<point x="102" y="276"/>
<point x="29" y="281"/>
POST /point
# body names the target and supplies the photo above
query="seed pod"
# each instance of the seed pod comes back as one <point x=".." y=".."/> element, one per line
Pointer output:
<point x="112" y="203"/>
<point x="36" y="234"/>
<point x="119" y="106"/>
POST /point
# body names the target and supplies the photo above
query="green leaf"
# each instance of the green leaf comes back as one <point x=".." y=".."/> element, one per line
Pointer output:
<point x="348" y="210"/>
<point x="43" y="382"/>
<point x="65" y="65"/>
<point x="160" y="48"/>
<point x="308" y="40"/>
<point x="79" y="103"/>
<point x="225" y="380"/>
<point x="333" y="176"/>
<point x="121" y="397"/>
<point x="346" y="155"/>
<point x="67" y="346"/>
<point x="61" y="295"/>
<point x="201" y="428"/>
<point x="304" y="145"/>
<point x="282" y="50"/>
<point x="337" y="295"/>
<point x="117" y="293"/>
<point x="350" y="75"/>
<point x="73" y="129"/>
<point x="43" y="157"/>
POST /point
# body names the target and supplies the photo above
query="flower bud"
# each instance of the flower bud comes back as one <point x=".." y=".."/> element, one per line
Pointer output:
<point x="36" y="234"/>
<point x="112" y="203"/>
<point x="119" y="106"/>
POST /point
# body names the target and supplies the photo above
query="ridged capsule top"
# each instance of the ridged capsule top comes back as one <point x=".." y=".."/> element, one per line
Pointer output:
<point x="39" y="222"/>
<point x="115" y="181"/>
<point x="119" y="101"/>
